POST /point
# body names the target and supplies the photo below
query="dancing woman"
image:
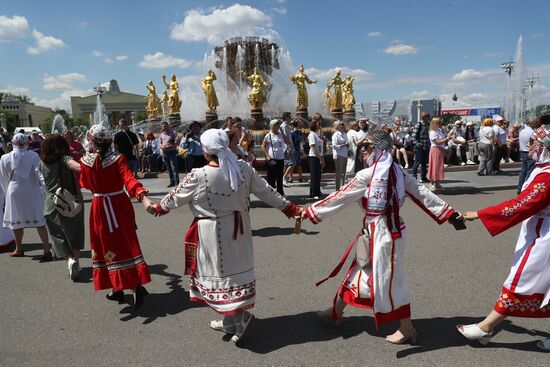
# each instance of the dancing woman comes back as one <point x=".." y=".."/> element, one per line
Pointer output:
<point x="117" y="260"/>
<point x="218" y="246"/>
<point x="376" y="278"/>
<point x="526" y="290"/>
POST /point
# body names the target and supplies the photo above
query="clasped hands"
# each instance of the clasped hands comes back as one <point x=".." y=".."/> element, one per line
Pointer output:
<point x="149" y="206"/>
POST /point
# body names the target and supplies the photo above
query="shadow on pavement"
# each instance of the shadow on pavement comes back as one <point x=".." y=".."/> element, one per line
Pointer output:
<point x="161" y="304"/>
<point x="278" y="231"/>
<point x="440" y="333"/>
<point x="271" y="334"/>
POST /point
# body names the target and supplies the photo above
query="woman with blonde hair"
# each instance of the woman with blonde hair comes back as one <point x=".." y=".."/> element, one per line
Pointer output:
<point x="485" y="147"/>
<point x="438" y="140"/>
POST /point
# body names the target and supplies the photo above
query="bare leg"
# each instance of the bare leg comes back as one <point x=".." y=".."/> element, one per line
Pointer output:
<point x="289" y="172"/>
<point x="398" y="156"/>
<point x="491" y="321"/>
<point x="405" y="157"/>
<point x="300" y="171"/>
<point x="43" y="233"/>
<point x="338" y="308"/>
<point x="406" y="331"/>
<point x="18" y="234"/>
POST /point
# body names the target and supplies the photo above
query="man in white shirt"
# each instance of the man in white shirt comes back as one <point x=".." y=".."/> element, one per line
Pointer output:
<point x="289" y="147"/>
<point x="499" y="143"/>
<point x="458" y="144"/>
<point x="340" y="147"/>
<point x="527" y="163"/>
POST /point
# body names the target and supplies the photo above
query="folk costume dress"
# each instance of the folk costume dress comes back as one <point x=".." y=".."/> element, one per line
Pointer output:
<point x="6" y="236"/>
<point x="526" y="290"/>
<point x="23" y="185"/>
<point x="376" y="278"/>
<point x="219" y="256"/>
<point x="116" y="255"/>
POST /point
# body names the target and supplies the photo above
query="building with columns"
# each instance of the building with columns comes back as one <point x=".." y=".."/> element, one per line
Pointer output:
<point x="117" y="104"/>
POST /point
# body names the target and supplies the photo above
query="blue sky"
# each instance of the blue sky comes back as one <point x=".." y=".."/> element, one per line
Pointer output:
<point x="398" y="49"/>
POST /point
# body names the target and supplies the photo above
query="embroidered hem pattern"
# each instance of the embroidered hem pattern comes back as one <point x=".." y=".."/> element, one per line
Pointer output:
<point x="129" y="276"/>
<point x="519" y="305"/>
<point x="227" y="301"/>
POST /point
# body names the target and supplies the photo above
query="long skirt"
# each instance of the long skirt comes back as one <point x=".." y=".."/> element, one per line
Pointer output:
<point x="6" y="236"/>
<point x="66" y="234"/>
<point x="436" y="169"/>
<point x="526" y="291"/>
<point x="24" y="203"/>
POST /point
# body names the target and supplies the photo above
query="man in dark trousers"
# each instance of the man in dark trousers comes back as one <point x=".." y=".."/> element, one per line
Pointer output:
<point x="421" y="141"/>
<point x="127" y="143"/>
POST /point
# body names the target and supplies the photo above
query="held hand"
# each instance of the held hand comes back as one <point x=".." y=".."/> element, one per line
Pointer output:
<point x="303" y="215"/>
<point x="470" y="215"/>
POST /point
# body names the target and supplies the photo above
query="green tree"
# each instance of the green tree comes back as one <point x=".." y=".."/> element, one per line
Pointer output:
<point x="449" y="118"/>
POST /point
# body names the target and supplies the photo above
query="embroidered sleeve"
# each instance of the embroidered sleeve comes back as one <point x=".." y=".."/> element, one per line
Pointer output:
<point x="530" y="201"/>
<point x="133" y="186"/>
<point x="430" y="203"/>
<point x="180" y="195"/>
<point x="338" y="200"/>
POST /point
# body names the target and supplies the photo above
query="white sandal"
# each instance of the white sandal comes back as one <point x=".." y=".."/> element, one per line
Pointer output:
<point x="219" y="326"/>
<point x="544" y="344"/>
<point x="244" y="325"/>
<point x="473" y="332"/>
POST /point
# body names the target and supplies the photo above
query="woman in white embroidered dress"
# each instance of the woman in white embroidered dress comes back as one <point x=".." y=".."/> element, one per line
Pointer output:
<point x="23" y="184"/>
<point x="218" y="245"/>
<point x="526" y="290"/>
<point x="376" y="278"/>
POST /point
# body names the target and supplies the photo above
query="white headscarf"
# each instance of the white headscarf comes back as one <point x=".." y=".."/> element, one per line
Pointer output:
<point x="216" y="142"/>
<point x="21" y="158"/>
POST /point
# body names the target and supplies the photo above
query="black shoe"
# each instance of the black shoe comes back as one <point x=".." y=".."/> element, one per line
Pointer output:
<point x="139" y="297"/>
<point x="116" y="296"/>
<point x="171" y="185"/>
<point x="481" y="174"/>
<point x="425" y="180"/>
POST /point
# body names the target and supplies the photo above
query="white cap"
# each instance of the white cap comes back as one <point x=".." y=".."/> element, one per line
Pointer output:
<point x="273" y="122"/>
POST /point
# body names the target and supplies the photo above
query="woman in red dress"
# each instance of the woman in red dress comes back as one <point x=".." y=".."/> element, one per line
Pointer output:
<point x="117" y="260"/>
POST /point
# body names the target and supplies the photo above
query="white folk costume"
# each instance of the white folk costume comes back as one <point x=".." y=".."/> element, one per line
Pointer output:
<point x="526" y="290"/>
<point x="218" y="246"/>
<point x="23" y="184"/>
<point x="376" y="278"/>
<point x="6" y="236"/>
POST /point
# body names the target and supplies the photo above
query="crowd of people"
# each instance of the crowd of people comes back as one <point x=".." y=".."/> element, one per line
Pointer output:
<point x="41" y="181"/>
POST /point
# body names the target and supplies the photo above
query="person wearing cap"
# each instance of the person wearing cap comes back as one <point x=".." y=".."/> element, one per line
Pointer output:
<point x="458" y="145"/>
<point x="273" y="147"/>
<point x="527" y="162"/>
<point x="526" y="290"/>
<point x="471" y="138"/>
<point x="219" y="255"/>
<point x="376" y="278"/>
<point x="340" y="146"/>
<point x="23" y="185"/>
<point x="191" y="141"/>
<point x="118" y="263"/>
<point x="485" y="146"/>
<point x="127" y="143"/>
<point x="289" y="164"/>
<point x="499" y="143"/>
<point x="421" y="142"/>
<point x="512" y="143"/>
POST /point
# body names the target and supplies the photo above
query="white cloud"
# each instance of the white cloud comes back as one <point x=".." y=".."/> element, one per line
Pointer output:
<point x="121" y="57"/>
<point x="63" y="101"/>
<point x="98" y="53"/>
<point x="15" y="90"/>
<point x="325" y="74"/>
<point x="83" y="24"/>
<point x="468" y="74"/>
<point x="199" y="26"/>
<point x="488" y="55"/>
<point x="106" y="58"/>
<point x="44" y="43"/>
<point x="159" y="60"/>
<point x="374" y="34"/>
<point x="280" y="1"/>
<point x="417" y="95"/>
<point x="537" y="35"/>
<point x="401" y="49"/>
<point x="13" y="28"/>
<point x="62" y="81"/>
<point x="467" y="56"/>
<point x="280" y="10"/>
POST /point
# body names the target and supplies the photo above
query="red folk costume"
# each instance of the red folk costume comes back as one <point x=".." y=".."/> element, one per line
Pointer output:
<point x="526" y="291"/>
<point x="116" y="255"/>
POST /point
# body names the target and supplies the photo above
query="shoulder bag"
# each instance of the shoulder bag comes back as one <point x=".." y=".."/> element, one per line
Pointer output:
<point x="64" y="201"/>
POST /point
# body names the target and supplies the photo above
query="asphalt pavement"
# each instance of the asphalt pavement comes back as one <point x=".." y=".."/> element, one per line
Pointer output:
<point x="453" y="277"/>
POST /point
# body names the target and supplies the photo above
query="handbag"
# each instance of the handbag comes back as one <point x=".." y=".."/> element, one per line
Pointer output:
<point x="64" y="201"/>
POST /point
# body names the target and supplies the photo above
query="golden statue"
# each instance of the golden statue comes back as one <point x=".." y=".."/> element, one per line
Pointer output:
<point x="347" y="90"/>
<point x="257" y="96"/>
<point x="336" y="97"/>
<point x="164" y="103"/>
<point x="153" y="105"/>
<point x="300" y="80"/>
<point x="174" y="88"/>
<point x="208" y="87"/>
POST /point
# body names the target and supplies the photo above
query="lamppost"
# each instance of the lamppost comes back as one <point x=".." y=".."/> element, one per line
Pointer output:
<point x="530" y="83"/>
<point x="419" y="107"/>
<point x="508" y="67"/>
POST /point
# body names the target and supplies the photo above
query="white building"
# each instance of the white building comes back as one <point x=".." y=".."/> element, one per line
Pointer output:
<point x="27" y="115"/>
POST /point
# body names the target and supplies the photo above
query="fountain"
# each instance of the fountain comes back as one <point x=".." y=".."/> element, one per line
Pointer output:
<point x="58" y="122"/>
<point x="518" y="83"/>
<point x="100" y="114"/>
